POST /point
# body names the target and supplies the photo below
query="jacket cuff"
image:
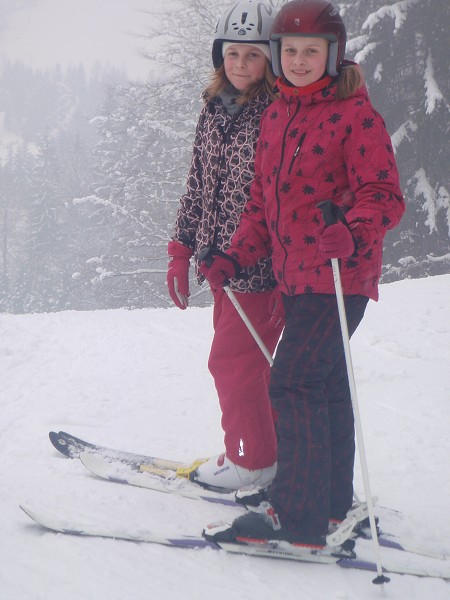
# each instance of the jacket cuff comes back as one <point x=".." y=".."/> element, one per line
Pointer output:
<point x="178" y="250"/>
<point x="362" y="237"/>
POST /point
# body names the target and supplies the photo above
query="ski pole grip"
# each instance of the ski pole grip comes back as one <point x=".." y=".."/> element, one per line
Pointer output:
<point x="331" y="213"/>
<point x="207" y="254"/>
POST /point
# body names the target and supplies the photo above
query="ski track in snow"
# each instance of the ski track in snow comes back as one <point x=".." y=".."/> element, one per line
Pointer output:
<point x="138" y="380"/>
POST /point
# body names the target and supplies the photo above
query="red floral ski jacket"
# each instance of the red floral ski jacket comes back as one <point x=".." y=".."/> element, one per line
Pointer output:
<point x="314" y="148"/>
<point x="218" y="185"/>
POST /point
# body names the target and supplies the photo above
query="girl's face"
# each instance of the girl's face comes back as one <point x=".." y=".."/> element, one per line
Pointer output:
<point x="244" y="65"/>
<point x="303" y="59"/>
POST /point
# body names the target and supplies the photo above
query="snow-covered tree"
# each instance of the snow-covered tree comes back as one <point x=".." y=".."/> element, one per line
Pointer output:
<point x="146" y="132"/>
<point x="144" y="152"/>
<point x="48" y="165"/>
<point x="402" y="49"/>
<point x="16" y="184"/>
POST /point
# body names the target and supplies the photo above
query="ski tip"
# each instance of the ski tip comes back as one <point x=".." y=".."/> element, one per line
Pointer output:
<point x="27" y="511"/>
<point x="100" y="466"/>
<point x="60" y="443"/>
<point x="43" y="519"/>
<point x="91" y="460"/>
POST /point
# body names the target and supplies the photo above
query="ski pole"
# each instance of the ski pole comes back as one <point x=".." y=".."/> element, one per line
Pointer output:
<point x="246" y="320"/>
<point x="206" y="255"/>
<point x="331" y="214"/>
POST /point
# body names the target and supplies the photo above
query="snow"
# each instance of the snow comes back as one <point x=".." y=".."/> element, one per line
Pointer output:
<point x="396" y="11"/>
<point x="138" y="380"/>
<point x="402" y="134"/>
<point x="378" y="73"/>
<point x="423" y="188"/>
<point x="444" y="202"/>
<point x="433" y="94"/>
<point x="365" y="52"/>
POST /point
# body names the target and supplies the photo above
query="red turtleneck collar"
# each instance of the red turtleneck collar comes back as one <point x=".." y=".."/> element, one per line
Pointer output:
<point x="289" y="90"/>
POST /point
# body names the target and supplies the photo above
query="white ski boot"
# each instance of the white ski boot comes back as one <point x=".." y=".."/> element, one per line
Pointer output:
<point x="221" y="472"/>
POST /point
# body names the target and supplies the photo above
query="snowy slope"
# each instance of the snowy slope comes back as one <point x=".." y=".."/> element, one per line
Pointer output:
<point x="138" y="380"/>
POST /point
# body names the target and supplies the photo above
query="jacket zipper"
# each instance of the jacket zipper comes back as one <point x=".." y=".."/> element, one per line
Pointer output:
<point x="299" y="145"/>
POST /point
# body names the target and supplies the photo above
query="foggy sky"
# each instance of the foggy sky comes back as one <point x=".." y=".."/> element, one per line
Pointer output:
<point x="42" y="33"/>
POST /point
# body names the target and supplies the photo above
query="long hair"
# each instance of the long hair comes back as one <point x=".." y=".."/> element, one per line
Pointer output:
<point x="350" y="79"/>
<point x="219" y="82"/>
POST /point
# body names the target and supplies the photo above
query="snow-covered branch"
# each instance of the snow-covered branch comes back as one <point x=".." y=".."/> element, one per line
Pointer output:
<point x="433" y="94"/>
<point x="362" y="54"/>
<point x="433" y="201"/>
<point x="397" y="12"/>
<point x="402" y="133"/>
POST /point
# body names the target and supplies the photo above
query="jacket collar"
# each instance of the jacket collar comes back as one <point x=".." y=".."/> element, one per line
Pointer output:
<point x="290" y="91"/>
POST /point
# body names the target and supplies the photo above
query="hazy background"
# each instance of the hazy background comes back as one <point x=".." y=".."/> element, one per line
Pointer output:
<point x="43" y="33"/>
<point x="95" y="140"/>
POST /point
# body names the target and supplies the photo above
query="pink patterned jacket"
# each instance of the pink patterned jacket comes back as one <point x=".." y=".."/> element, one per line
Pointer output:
<point x="314" y="148"/>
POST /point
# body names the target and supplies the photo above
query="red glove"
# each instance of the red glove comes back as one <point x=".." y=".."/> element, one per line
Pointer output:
<point x="335" y="241"/>
<point x="276" y="309"/>
<point x="221" y="269"/>
<point x="178" y="273"/>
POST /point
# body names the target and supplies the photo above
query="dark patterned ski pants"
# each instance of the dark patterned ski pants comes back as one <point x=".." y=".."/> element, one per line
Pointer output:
<point x="309" y="390"/>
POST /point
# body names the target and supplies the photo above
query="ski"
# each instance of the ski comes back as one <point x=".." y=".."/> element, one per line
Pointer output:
<point x="153" y="478"/>
<point x="159" y="474"/>
<point x="72" y="446"/>
<point x="140" y="470"/>
<point x="166" y="481"/>
<point x="392" y="562"/>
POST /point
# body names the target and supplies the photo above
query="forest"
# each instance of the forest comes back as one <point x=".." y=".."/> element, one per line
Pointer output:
<point x="94" y="164"/>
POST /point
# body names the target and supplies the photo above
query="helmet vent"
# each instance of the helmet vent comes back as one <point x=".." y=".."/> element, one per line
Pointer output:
<point x="248" y="21"/>
<point x="242" y="27"/>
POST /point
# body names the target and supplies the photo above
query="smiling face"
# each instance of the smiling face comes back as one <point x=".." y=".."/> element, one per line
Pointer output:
<point x="244" y="65"/>
<point x="303" y="59"/>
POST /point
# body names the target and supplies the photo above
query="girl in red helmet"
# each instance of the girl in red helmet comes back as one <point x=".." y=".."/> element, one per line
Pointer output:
<point x="321" y="140"/>
<point x="218" y="187"/>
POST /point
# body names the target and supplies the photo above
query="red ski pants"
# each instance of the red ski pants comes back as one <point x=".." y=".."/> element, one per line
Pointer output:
<point x="241" y="376"/>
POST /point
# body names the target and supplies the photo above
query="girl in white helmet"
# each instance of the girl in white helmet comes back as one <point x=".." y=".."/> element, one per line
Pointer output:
<point x="218" y="187"/>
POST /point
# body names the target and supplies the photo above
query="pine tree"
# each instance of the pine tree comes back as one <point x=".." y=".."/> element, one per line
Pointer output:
<point x="16" y="184"/>
<point x="400" y="46"/>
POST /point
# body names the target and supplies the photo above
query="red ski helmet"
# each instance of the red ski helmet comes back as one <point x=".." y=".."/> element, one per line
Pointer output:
<point x="315" y="18"/>
<point x="248" y="21"/>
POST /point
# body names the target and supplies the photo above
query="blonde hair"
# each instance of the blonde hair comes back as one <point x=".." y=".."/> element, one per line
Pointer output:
<point x="350" y="79"/>
<point x="219" y="82"/>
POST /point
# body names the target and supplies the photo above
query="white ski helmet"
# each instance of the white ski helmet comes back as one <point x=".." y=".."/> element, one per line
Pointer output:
<point x="249" y="21"/>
